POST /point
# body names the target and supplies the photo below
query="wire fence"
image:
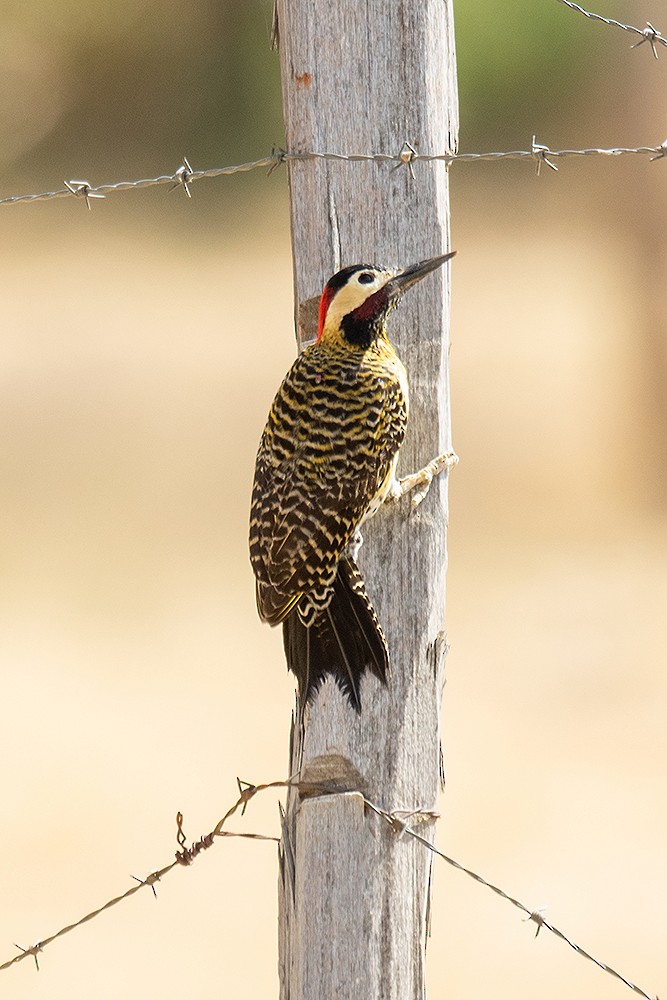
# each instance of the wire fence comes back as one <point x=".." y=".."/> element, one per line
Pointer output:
<point x="184" y="176"/>
<point x="401" y="823"/>
<point x="407" y="157"/>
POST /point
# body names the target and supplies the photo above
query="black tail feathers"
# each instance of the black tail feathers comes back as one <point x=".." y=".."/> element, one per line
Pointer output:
<point x="344" y="640"/>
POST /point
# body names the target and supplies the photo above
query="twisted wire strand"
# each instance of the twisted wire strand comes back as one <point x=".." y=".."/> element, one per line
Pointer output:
<point x="649" y="33"/>
<point x="407" y="156"/>
<point x="402" y="823"/>
<point x="536" y="916"/>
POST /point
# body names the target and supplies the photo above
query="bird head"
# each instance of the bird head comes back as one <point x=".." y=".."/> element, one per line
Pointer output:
<point x="356" y="301"/>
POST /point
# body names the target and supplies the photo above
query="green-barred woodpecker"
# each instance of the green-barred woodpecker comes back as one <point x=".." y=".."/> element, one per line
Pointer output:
<point x="326" y="463"/>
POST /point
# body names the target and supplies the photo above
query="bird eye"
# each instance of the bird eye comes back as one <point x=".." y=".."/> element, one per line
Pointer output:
<point x="365" y="278"/>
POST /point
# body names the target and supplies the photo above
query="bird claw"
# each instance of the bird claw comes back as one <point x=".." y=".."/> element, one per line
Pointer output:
<point x="421" y="481"/>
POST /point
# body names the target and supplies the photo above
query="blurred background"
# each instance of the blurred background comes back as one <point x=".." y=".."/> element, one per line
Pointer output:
<point x="141" y="346"/>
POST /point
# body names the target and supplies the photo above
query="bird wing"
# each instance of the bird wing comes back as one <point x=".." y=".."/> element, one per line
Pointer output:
<point x="305" y="526"/>
<point x="321" y="462"/>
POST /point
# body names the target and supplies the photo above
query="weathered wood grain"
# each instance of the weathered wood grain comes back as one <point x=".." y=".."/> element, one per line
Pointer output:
<point x="367" y="77"/>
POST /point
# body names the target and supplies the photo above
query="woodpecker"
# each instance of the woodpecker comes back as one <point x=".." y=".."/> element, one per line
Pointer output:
<point x="326" y="462"/>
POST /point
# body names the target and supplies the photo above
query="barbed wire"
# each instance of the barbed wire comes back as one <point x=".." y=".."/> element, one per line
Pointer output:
<point x="649" y="33"/>
<point x="407" y="156"/>
<point x="536" y="916"/>
<point x="184" y="857"/>
<point x="402" y="823"/>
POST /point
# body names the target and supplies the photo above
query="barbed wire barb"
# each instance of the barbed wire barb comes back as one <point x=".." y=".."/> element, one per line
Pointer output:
<point x="406" y="157"/>
<point x="662" y="151"/>
<point x="82" y="189"/>
<point x="649" y="33"/>
<point x="537" y="917"/>
<point x="183" y="176"/>
<point x="242" y="786"/>
<point x="540" y="154"/>
<point x="33" y="950"/>
<point x="278" y="158"/>
<point x="149" y="880"/>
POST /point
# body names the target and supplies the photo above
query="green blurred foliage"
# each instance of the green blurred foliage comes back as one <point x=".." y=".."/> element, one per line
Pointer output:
<point x="514" y="61"/>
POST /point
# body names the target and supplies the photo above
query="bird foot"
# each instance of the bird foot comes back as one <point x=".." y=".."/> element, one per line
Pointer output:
<point x="421" y="481"/>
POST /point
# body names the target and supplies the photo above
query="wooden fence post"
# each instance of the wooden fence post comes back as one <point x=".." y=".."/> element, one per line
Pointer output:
<point x="362" y="78"/>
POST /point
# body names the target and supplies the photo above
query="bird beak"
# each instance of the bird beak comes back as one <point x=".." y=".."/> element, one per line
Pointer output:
<point x="415" y="272"/>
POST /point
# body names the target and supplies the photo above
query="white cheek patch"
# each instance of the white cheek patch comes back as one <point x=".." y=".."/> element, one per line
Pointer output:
<point x="350" y="297"/>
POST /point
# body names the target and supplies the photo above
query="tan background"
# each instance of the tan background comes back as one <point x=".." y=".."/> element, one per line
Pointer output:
<point x="141" y="346"/>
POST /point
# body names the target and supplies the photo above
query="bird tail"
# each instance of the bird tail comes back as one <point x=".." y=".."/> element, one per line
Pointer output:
<point x="344" y="640"/>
